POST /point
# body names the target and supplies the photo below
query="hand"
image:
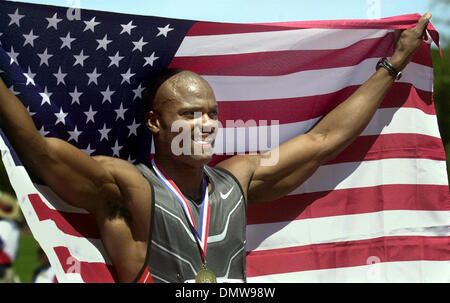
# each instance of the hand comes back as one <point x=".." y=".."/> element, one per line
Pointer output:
<point x="409" y="42"/>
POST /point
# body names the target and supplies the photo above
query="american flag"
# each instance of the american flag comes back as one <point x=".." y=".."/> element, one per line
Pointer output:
<point x="378" y="212"/>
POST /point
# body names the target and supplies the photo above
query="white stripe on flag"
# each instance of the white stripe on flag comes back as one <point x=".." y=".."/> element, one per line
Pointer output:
<point x="401" y="120"/>
<point x="384" y="272"/>
<point x="57" y="203"/>
<point x="305" y="39"/>
<point x="347" y="228"/>
<point x="305" y="83"/>
<point x="382" y="172"/>
<point x="83" y="249"/>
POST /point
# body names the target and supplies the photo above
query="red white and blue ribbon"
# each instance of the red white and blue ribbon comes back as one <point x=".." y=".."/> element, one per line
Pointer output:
<point x="201" y="235"/>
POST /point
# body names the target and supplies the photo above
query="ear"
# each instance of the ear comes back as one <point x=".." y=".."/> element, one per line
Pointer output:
<point x="153" y="122"/>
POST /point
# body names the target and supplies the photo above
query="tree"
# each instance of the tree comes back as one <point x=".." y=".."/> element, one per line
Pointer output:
<point x="442" y="96"/>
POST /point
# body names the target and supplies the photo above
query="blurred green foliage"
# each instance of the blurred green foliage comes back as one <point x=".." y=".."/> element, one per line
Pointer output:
<point x="442" y="97"/>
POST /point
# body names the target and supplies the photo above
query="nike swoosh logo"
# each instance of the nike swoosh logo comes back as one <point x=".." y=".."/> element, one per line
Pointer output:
<point x="224" y="196"/>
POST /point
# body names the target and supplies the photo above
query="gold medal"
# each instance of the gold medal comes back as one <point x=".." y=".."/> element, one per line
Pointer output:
<point x="205" y="276"/>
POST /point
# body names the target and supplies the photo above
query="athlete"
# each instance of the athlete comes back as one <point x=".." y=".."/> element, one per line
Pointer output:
<point x="154" y="219"/>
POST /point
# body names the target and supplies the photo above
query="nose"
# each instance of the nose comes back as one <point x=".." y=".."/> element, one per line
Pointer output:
<point x="205" y="123"/>
<point x="209" y="124"/>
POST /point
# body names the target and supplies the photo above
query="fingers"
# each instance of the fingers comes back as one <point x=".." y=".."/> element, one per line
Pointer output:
<point x="422" y="24"/>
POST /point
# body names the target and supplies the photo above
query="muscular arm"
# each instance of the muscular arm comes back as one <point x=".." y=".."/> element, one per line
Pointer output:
<point x="73" y="175"/>
<point x="300" y="157"/>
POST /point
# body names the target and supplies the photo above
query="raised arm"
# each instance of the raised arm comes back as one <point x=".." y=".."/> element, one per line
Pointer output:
<point x="74" y="176"/>
<point x="300" y="157"/>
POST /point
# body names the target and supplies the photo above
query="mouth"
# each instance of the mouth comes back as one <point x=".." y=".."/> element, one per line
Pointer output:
<point x="204" y="140"/>
<point x="203" y="144"/>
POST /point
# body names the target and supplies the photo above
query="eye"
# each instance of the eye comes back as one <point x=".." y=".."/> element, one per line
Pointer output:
<point x="189" y="114"/>
<point x="213" y="114"/>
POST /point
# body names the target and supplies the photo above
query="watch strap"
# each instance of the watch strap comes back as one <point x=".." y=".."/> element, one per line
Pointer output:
<point x="384" y="62"/>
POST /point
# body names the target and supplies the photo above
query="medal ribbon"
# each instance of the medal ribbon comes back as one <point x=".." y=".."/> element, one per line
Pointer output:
<point x="201" y="235"/>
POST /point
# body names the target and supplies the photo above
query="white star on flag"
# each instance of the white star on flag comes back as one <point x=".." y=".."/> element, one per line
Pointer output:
<point x="139" y="44"/>
<point x="45" y="96"/>
<point x="29" y="38"/>
<point x="126" y="77"/>
<point x="44" y="57"/>
<point x="138" y="91"/>
<point x="13" y="55"/>
<point x="60" y="76"/>
<point x="15" y="18"/>
<point x="30" y="112"/>
<point x="61" y="117"/>
<point x="74" y="134"/>
<point x="103" y="43"/>
<point x="53" y="21"/>
<point x="67" y="41"/>
<point x="164" y="30"/>
<point x="107" y="95"/>
<point x="88" y="150"/>
<point x="93" y="76"/>
<point x="104" y="132"/>
<point x="43" y="132"/>
<point x="115" y="59"/>
<point x="133" y="128"/>
<point x="116" y="149"/>
<point x="90" y="114"/>
<point x="120" y="112"/>
<point x="79" y="59"/>
<point x="150" y="60"/>
<point x="75" y="96"/>
<point x="30" y="77"/>
<point x="11" y="89"/>
<point x="126" y="28"/>
<point x="90" y="25"/>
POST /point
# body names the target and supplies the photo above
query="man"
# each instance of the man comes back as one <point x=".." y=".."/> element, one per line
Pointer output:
<point x="154" y="220"/>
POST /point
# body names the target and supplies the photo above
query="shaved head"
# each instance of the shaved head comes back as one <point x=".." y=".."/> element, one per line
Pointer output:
<point x="177" y="85"/>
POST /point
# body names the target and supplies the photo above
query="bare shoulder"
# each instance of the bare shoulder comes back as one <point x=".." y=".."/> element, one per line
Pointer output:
<point x="130" y="180"/>
<point x="117" y="167"/>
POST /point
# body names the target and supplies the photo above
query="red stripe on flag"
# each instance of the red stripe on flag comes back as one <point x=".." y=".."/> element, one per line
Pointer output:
<point x="346" y="254"/>
<point x="350" y="201"/>
<point x="275" y="63"/>
<point x="389" y="146"/>
<point x="216" y="28"/>
<point x="378" y="147"/>
<point x="74" y="224"/>
<point x="310" y="107"/>
<point x="203" y="28"/>
<point x="92" y="272"/>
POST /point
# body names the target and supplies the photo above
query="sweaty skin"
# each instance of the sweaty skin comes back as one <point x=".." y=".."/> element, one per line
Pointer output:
<point x="116" y="193"/>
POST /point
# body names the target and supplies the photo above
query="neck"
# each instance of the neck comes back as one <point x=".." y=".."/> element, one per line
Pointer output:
<point x="189" y="179"/>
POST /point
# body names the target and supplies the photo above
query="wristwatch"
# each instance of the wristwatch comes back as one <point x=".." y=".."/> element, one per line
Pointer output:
<point x="384" y="62"/>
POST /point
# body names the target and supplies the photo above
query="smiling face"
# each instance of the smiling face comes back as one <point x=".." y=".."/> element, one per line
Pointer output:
<point x="183" y="119"/>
